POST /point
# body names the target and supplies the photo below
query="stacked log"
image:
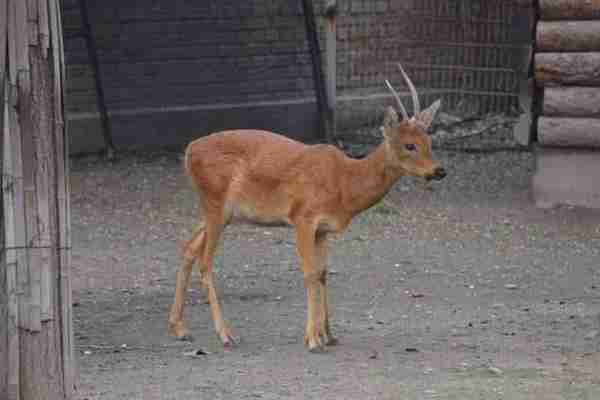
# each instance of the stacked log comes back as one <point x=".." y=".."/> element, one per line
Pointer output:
<point x="567" y="71"/>
<point x="569" y="10"/>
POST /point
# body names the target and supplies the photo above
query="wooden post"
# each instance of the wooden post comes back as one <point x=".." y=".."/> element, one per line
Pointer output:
<point x="36" y="344"/>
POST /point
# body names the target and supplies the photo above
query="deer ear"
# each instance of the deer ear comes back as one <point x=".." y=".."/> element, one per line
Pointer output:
<point x="426" y="117"/>
<point x="390" y="117"/>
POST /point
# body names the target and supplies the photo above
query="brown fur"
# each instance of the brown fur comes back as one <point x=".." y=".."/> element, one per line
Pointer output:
<point x="266" y="178"/>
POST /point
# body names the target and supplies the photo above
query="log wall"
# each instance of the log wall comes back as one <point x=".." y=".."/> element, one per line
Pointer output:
<point x="567" y="74"/>
<point x="567" y="70"/>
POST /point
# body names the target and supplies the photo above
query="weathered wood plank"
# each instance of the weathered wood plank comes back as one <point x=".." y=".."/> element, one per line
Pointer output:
<point x="12" y="43"/>
<point x="23" y="40"/>
<point x="62" y="196"/>
<point x="10" y="255"/>
<point x="3" y="53"/>
<point x="55" y="43"/>
<point x="568" y="36"/>
<point x="3" y="286"/>
<point x="19" y="207"/>
<point x="580" y="69"/>
<point x="32" y="11"/>
<point x="43" y="179"/>
<point x="19" y="84"/>
<point x="572" y="102"/>
<point x="30" y="200"/>
<point x="569" y="9"/>
<point x="44" y="27"/>
<point x="32" y="22"/>
<point x="569" y="132"/>
<point x="41" y="94"/>
<point x="34" y="33"/>
<point x="3" y="45"/>
<point x="63" y="68"/>
<point x="28" y="160"/>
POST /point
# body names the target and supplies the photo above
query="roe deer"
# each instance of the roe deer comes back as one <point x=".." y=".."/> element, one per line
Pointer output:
<point x="267" y="178"/>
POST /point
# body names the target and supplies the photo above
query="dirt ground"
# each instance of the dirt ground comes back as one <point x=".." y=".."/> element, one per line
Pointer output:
<point x="459" y="290"/>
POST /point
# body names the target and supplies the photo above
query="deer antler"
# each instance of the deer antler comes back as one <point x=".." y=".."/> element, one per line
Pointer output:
<point x="398" y="100"/>
<point x="413" y="91"/>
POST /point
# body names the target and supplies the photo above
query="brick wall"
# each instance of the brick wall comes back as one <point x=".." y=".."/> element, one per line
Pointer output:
<point x="176" y="70"/>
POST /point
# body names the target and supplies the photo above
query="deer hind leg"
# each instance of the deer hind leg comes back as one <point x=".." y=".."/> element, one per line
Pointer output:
<point x="213" y="231"/>
<point x="309" y="265"/>
<point x="191" y="250"/>
<point x="321" y="251"/>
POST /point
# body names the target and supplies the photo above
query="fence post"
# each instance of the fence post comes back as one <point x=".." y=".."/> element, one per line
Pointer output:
<point x="36" y="336"/>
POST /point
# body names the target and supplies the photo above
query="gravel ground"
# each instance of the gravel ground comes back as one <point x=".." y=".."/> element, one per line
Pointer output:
<point x="460" y="289"/>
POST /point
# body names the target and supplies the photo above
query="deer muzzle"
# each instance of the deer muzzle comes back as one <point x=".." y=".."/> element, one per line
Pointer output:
<point x="438" y="174"/>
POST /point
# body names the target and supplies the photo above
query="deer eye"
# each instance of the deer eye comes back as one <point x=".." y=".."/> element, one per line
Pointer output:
<point x="410" y="147"/>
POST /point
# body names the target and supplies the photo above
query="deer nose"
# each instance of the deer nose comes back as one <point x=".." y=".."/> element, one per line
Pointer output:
<point x="438" y="174"/>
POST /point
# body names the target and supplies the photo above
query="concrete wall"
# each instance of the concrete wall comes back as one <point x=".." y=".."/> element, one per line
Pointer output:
<point x="566" y="176"/>
<point x="176" y="70"/>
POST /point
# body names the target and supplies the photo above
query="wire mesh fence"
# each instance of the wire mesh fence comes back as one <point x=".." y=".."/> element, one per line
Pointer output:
<point x="471" y="52"/>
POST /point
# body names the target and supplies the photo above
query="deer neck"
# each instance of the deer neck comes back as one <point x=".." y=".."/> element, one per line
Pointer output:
<point x="369" y="179"/>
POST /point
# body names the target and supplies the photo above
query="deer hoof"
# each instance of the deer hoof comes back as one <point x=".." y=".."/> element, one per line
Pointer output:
<point x="228" y="340"/>
<point x="314" y="344"/>
<point x="229" y="343"/>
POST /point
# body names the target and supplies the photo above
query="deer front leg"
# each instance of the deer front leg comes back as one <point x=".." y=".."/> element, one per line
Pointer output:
<point x="192" y="250"/>
<point x="321" y="248"/>
<point x="309" y="265"/>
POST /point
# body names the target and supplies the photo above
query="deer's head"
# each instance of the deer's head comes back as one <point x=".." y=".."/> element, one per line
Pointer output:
<point x="408" y="143"/>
